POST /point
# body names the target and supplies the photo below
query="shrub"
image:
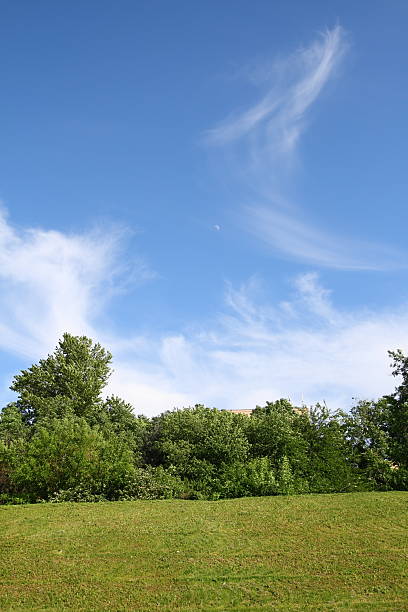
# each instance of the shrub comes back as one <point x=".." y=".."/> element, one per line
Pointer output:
<point x="152" y="483"/>
<point x="253" y="478"/>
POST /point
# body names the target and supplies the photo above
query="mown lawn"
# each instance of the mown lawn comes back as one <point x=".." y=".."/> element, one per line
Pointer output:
<point x="320" y="552"/>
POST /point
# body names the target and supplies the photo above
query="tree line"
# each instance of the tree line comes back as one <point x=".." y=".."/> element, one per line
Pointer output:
<point x="62" y="441"/>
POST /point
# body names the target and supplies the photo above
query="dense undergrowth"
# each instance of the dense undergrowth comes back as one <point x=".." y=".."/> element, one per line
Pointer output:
<point x="60" y="441"/>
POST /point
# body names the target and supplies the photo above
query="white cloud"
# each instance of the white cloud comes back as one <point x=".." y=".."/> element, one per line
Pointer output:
<point x="52" y="282"/>
<point x="284" y="231"/>
<point x="263" y="142"/>
<point x="254" y="351"/>
<point x="295" y="85"/>
<point x="310" y="350"/>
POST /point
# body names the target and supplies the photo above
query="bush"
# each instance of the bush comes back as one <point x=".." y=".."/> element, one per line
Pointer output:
<point x="196" y="441"/>
<point x="65" y="453"/>
<point x="7" y="499"/>
<point x="152" y="483"/>
<point x="75" y="494"/>
<point x="253" y="478"/>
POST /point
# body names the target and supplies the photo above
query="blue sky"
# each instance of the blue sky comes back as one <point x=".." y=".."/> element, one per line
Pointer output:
<point x="215" y="191"/>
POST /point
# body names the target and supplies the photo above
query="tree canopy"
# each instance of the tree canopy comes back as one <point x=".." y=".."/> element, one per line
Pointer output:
<point x="63" y="440"/>
<point x="71" y="380"/>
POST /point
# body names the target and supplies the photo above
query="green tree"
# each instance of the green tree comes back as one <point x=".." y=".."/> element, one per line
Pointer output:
<point x="274" y="431"/>
<point x="398" y="411"/>
<point x="70" y="381"/>
<point x="66" y="453"/>
<point x="196" y="442"/>
<point x="330" y="466"/>
<point x="12" y="427"/>
<point x="116" y="417"/>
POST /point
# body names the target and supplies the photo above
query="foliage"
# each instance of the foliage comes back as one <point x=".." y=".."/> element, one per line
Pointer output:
<point x="11" y="425"/>
<point x="273" y="431"/>
<point x="329" y="467"/>
<point x="398" y="411"/>
<point x="66" y="454"/>
<point x="70" y="381"/>
<point x="62" y="441"/>
<point x="116" y="418"/>
<point x="367" y="430"/>
<point x="154" y="483"/>
<point x="254" y="477"/>
<point x="196" y="441"/>
<point x="79" y="493"/>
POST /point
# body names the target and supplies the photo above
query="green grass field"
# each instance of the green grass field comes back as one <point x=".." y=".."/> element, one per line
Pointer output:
<point x="317" y="552"/>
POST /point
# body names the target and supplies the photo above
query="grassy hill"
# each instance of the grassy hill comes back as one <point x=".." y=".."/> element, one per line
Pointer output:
<point x="321" y="552"/>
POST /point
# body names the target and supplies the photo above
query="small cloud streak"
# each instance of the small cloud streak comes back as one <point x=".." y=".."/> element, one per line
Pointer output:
<point x="264" y="139"/>
<point x="282" y="110"/>
<point x="289" y="234"/>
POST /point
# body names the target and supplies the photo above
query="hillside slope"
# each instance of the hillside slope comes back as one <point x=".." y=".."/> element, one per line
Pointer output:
<point x="321" y="552"/>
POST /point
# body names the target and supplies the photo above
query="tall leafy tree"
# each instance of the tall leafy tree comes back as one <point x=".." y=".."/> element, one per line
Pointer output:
<point x="366" y="429"/>
<point x="398" y="410"/>
<point x="273" y="431"/>
<point x="330" y="467"/>
<point x="196" y="441"/>
<point x="70" y="381"/>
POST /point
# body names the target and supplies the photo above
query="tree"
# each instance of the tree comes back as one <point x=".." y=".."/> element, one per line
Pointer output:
<point x="67" y="453"/>
<point x="70" y="381"/>
<point x="398" y="410"/>
<point x="400" y="368"/>
<point x="273" y="431"/>
<point x="329" y="467"/>
<point x="12" y="427"/>
<point x="197" y="441"/>
<point x="117" y="417"/>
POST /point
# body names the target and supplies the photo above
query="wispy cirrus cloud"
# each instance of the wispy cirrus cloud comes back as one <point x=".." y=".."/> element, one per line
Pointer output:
<point x="290" y="233"/>
<point x="295" y="85"/>
<point x="263" y="140"/>
<point x="304" y="348"/>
